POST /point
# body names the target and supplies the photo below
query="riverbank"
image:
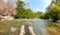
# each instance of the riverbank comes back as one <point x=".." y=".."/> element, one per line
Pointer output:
<point x="53" y="28"/>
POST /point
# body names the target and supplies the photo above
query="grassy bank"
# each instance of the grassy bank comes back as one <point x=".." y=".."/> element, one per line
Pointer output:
<point x="53" y="28"/>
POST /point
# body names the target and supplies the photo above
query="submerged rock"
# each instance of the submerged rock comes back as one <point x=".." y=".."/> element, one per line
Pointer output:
<point x="13" y="29"/>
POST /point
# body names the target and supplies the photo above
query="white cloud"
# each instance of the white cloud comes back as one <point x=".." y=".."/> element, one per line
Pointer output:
<point x="48" y="2"/>
<point x="37" y="10"/>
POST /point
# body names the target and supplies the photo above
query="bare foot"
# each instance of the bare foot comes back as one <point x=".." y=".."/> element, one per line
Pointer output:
<point x="31" y="30"/>
<point x="22" y="31"/>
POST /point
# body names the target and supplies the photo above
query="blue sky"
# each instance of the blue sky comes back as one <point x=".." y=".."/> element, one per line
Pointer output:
<point x="38" y="5"/>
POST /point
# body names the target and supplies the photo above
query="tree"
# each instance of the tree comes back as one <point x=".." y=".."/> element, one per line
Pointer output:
<point x="39" y="14"/>
<point x="29" y="13"/>
<point x="23" y="12"/>
<point x="53" y="11"/>
<point x="20" y="9"/>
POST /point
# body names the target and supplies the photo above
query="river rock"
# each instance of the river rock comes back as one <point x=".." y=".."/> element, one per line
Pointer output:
<point x="6" y="18"/>
<point x="13" y="29"/>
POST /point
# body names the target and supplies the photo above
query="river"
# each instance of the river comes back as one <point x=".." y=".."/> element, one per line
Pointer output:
<point x="39" y="25"/>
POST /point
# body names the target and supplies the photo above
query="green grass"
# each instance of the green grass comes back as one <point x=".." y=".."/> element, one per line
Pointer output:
<point x="52" y="24"/>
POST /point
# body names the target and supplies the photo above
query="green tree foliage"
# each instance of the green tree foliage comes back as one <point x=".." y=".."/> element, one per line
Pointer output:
<point x="39" y="14"/>
<point x="45" y="16"/>
<point x="20" y="9"/>
<point x="29" y="13"/>
<point x="54" y="12"/>
<point x="23" y="12"/>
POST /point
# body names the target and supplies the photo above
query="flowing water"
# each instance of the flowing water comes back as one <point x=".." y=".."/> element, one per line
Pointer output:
<point x="38" y="26"/>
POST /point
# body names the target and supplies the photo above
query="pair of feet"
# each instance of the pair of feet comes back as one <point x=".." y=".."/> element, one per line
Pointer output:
<point x="22" y="31"/>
